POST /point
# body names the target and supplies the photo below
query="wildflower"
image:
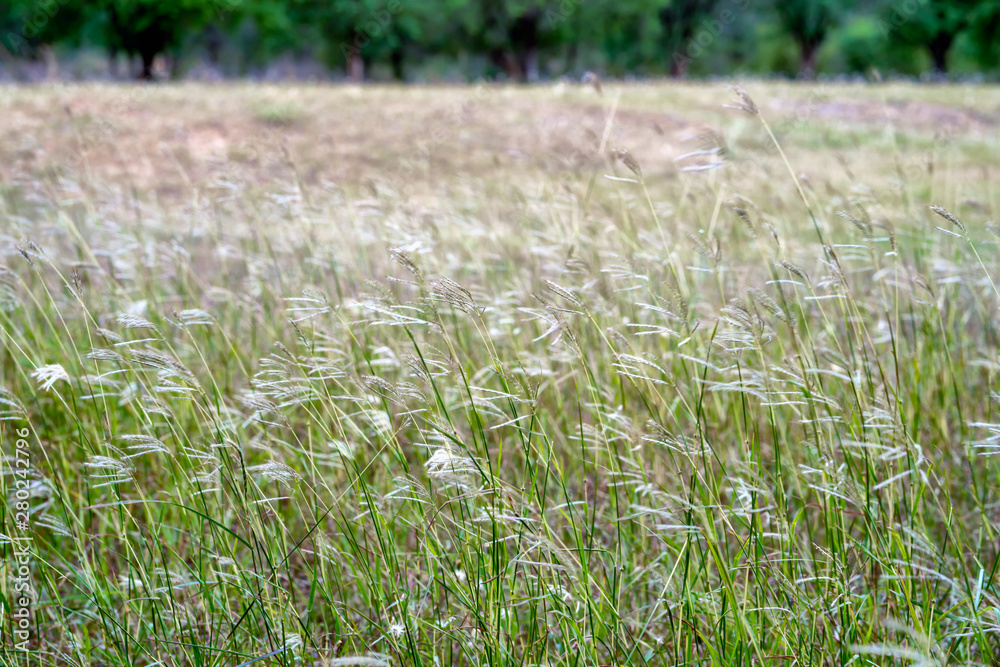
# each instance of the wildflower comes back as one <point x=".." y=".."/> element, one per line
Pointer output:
<point x="47" y="376"/>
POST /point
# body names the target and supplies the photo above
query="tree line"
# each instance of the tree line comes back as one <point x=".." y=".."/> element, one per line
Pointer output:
<point x="522" y="40"/>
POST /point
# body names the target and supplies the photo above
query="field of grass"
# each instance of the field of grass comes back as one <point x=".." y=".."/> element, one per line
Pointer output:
<point x="662" y="374"/>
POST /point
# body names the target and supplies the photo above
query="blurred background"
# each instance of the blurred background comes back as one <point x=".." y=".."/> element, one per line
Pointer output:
<point x="520" y="40"/>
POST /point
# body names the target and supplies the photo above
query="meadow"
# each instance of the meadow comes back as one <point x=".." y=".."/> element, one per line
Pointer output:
<point x="563" y="375"/>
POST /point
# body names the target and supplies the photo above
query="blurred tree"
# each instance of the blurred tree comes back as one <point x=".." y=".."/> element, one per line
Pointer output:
<point x="151" y="27"/>
<point x="860" y="45"/>
<point x="29" y="28"/>
<point x="11" y="30"/>
<point x="681" y="20"/>
<point x="28" y="25"/>
<point x="931" y="24"/>
<point x="513" y="33"/>
<point x="262" y="30"/>
<point x="985" y="29"/>
<point x="356" y="33"/>
<point x="628" y="34"/>
<point x="809" y="22"/>
<point x="520" y="39"/>
<point x="937" y="24"/>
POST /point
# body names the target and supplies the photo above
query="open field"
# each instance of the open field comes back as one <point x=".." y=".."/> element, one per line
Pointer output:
<point x="499" y="375"/>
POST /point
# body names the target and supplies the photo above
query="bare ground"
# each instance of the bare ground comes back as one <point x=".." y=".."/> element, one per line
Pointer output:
<point x="165" y="139"/>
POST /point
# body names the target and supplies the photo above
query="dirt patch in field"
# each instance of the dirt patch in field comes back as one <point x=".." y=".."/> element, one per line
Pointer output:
<point x="172" y="138"/>
<point x="910" y="114"/>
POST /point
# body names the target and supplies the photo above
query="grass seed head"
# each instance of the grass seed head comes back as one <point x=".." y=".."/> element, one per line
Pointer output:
<point x="947" y="215"/>
<point x="626" y="158"/>
<point x="746" y="103"/>
<point x="47" y="376"/>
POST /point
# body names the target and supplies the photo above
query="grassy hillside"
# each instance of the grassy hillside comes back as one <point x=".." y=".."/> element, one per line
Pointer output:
<point x="638" y="375"/>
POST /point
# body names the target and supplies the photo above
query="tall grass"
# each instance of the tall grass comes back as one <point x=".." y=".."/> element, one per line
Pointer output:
<point x="588" y="421"/>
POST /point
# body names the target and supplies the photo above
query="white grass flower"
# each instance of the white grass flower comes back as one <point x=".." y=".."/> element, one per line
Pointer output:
<point x="109" y="336"/>
<point x="141" y="444"/>
<point x="47" y="376"/>
<point x="225" y="561"/>
<point x="102" y="354"/>
<point x="311" y="304"/>
<point x="162" y="362"/>
<point x="133" y="321"/>
<point x="207" y="478"/>
<point x="10" y="406"/>
<point x="451" y="467"/>
<point x="109" y="471"/>
<point x="356" y="661"/>
<point x="29" y="488"/>
<point x="397" y="630"/>
<point x="258" y="402"/>
<point x="277" y="472"/>
<point x="194" y="316"/>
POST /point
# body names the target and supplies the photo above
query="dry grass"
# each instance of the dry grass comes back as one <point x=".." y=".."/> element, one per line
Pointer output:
<point x="166" y="138"/>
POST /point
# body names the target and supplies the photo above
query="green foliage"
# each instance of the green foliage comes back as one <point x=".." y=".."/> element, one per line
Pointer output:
<point x="937" y="25"/>
<point x="680" y="20"/>
<point x="775" y="53"/>
<point x="984" y="33"/>
<point x="27" y="24"/>
<point x="860" y="46"/>
<point x="528" y="39"/>
<point x="808" y="22"/>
